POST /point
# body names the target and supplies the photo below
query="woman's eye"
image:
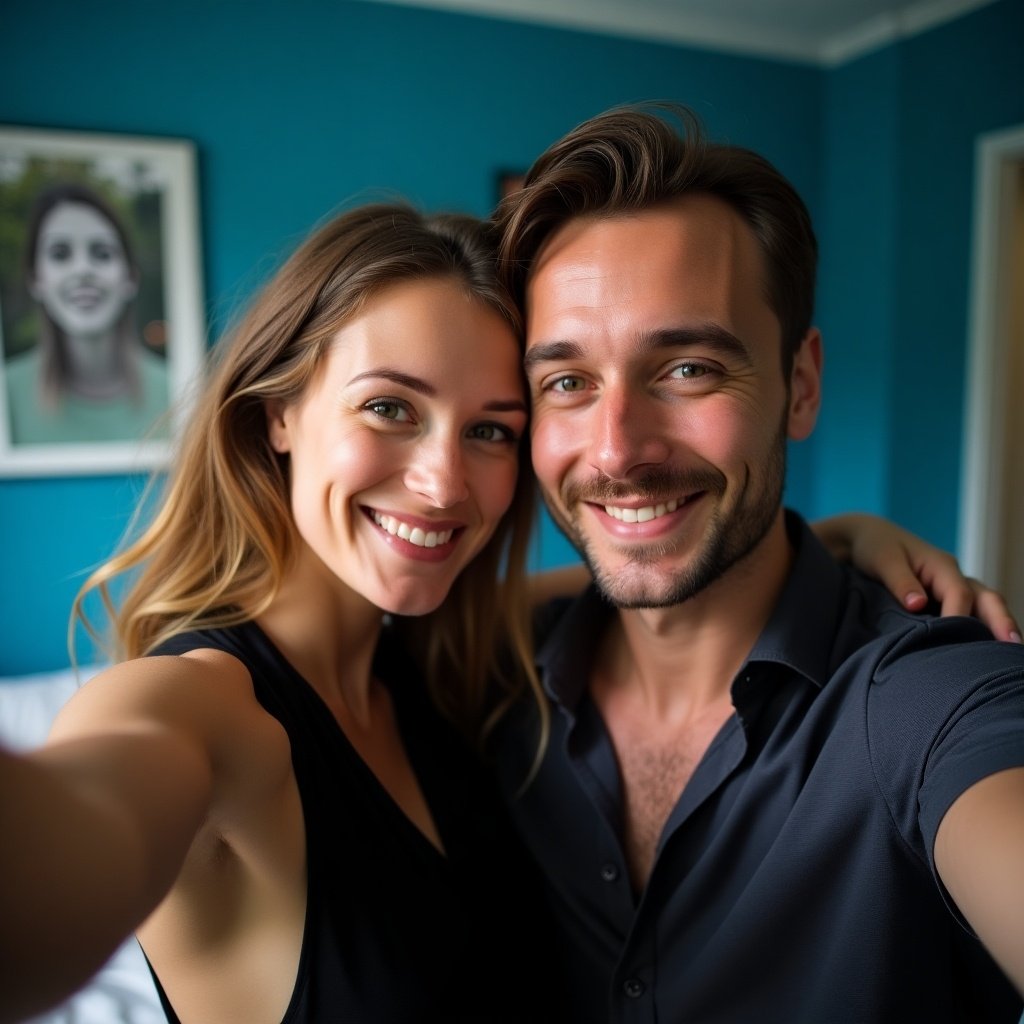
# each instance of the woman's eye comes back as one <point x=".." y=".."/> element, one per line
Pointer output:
<point x="101" y="252"/>
<point x="568" y="384"/>
<point x="387" y="409"/>
<point x="59" y="252"/>
<point x="491" y="432"/>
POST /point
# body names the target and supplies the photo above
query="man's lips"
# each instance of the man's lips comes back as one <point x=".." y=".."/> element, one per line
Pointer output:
<point x="644" y="513"/>
<point x="656" y="516"/>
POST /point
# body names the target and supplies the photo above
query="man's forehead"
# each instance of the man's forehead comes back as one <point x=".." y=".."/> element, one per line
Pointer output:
<point x="695" y="251"/>
<point x="699" y="221"/>
<point x="674" y="266"/>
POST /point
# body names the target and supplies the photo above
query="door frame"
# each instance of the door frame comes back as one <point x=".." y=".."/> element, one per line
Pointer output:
<point x="998" y="156"/>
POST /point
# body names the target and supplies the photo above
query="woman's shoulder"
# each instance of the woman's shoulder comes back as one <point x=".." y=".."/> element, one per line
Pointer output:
<point x="22" y="365"/>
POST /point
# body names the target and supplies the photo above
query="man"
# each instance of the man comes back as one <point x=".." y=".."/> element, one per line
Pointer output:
<point x="769" y="793"/>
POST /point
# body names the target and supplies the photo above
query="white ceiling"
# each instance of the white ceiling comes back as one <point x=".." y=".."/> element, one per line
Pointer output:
<point x="823" y="32"/>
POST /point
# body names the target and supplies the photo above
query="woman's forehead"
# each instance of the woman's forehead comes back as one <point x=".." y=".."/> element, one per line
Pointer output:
<point x="75" y="218"/>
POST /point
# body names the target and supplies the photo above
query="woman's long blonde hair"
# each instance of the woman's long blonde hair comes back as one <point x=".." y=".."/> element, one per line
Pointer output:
<point x="217" y="549"/>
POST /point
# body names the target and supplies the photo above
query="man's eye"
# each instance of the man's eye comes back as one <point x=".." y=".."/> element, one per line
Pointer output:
<point x="491" y="432"/>
<point x="568" y="384"/>
<point x="690" y="371"/>
<point x="387" y="409"/>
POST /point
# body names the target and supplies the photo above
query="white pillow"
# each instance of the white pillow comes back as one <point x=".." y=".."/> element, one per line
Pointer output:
<point x="28" y="704"/>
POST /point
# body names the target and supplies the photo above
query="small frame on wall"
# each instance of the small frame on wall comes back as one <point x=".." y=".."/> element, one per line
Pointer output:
<point x="101" y="312"/>
<point x="509" y="182"/>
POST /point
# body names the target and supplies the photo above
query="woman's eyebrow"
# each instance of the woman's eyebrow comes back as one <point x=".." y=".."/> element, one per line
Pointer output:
<point x="506" y="405"/>
<point x="404" y="380"/>
<point x="422" y="387"/>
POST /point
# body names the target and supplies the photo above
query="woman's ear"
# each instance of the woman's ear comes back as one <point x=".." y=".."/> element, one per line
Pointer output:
<point x="805" y="386"/>
<point x="277" y="425"/>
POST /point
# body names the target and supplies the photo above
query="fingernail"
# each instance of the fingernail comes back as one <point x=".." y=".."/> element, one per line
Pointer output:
<point x="1015" y="636"/>
<point x="914" y="597"/>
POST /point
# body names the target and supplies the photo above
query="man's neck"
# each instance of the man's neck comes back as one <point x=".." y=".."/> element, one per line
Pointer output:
<point x="680" y="660"/>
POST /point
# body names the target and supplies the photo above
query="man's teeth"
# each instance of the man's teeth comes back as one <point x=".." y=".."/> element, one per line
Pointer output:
<point x="413" y="534"/>
<point x="641" y="515"/>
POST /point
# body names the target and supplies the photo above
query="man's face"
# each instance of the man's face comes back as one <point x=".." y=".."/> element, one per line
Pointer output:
<point x="660" y="412"/>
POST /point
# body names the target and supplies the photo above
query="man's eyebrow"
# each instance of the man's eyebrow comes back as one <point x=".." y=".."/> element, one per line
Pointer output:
<point x="709" y="335"/>
<point x="550" y="352"/>
<point x="423" y="387"/>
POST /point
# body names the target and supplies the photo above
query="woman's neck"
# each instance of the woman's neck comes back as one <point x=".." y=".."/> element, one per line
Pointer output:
<point x="96" y="365"/>
<point x="327" y="632"/>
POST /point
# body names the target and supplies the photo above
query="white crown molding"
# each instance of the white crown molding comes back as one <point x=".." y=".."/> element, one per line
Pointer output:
<point x="639" y="21"/>
<point x="886" y="29"/>
<point x="667" y="25"/>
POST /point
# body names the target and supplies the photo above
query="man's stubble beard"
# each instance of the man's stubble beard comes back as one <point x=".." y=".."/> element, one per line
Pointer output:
<point x="729" y="538"/>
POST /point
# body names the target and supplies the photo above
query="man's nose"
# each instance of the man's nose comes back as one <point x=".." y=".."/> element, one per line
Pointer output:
<point x="626" y="433"/>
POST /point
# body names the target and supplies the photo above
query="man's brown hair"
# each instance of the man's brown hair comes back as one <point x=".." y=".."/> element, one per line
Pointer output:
<point x="637" y="158"/>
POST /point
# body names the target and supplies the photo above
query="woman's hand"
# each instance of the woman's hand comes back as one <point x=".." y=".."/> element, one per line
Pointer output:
<point x="914" y="570"/>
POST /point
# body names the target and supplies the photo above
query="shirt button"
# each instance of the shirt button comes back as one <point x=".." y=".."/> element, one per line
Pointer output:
<point x="609" y="872"/>
<point x="633" y="987"/>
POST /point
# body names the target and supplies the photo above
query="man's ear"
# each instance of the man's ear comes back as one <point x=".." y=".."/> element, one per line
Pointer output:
<point x="278" y="432"/>
<point x="805" y="386"/>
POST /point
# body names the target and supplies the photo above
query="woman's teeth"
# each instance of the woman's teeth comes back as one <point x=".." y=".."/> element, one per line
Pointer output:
<point x="413" y="534"/>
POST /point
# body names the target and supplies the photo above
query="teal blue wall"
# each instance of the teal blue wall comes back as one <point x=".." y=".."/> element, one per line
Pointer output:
<point x="298" y="108"/>
<point x="857" y="284"/>
<point x="895" y="221"/>
<point x="955" y="85"/>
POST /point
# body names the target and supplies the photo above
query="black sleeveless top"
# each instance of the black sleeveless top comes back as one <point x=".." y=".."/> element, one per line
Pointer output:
<point x="395" y="931"/>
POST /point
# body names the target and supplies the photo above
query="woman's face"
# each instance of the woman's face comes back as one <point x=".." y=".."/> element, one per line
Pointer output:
<point x="81" y="275"/>
<point x="403" y="449"/>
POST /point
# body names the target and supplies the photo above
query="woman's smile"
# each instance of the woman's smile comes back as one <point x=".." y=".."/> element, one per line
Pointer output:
<point x="404" y="451"/>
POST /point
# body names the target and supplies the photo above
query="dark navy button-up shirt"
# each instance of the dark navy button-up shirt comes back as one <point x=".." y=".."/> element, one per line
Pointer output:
<point x="794" y="880"/>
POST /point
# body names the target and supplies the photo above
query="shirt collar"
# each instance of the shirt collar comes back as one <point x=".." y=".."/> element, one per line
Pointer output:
<point x="799" y="633"/>
<point x="801" y="630"/>
<point x="565" y="657"/>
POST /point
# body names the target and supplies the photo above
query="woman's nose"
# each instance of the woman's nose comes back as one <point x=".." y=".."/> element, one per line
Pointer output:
<point x="437" y="472"/>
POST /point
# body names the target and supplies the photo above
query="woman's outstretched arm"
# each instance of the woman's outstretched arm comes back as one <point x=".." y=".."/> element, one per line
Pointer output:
<point x="97" y="829"/>
<point x="97" y="823"/>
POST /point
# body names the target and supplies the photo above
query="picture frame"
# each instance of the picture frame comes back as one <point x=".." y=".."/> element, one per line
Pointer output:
<point x="102" y="326"/>
<point x="508" y="182"/>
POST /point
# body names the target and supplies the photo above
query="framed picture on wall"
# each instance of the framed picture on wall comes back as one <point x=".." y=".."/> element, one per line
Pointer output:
<point x="102" y="331"/>
<point x="508" y="183"/>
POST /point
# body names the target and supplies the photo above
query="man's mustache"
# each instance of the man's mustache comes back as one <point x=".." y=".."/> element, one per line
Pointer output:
<point x="651" y="487"/>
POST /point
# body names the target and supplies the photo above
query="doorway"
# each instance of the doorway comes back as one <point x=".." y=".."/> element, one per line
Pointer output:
<point x="991" y="541"/>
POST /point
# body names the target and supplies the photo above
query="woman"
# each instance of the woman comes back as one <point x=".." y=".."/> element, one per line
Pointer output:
<point x="265" y="777"/>
<point x="88" y="378"/>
